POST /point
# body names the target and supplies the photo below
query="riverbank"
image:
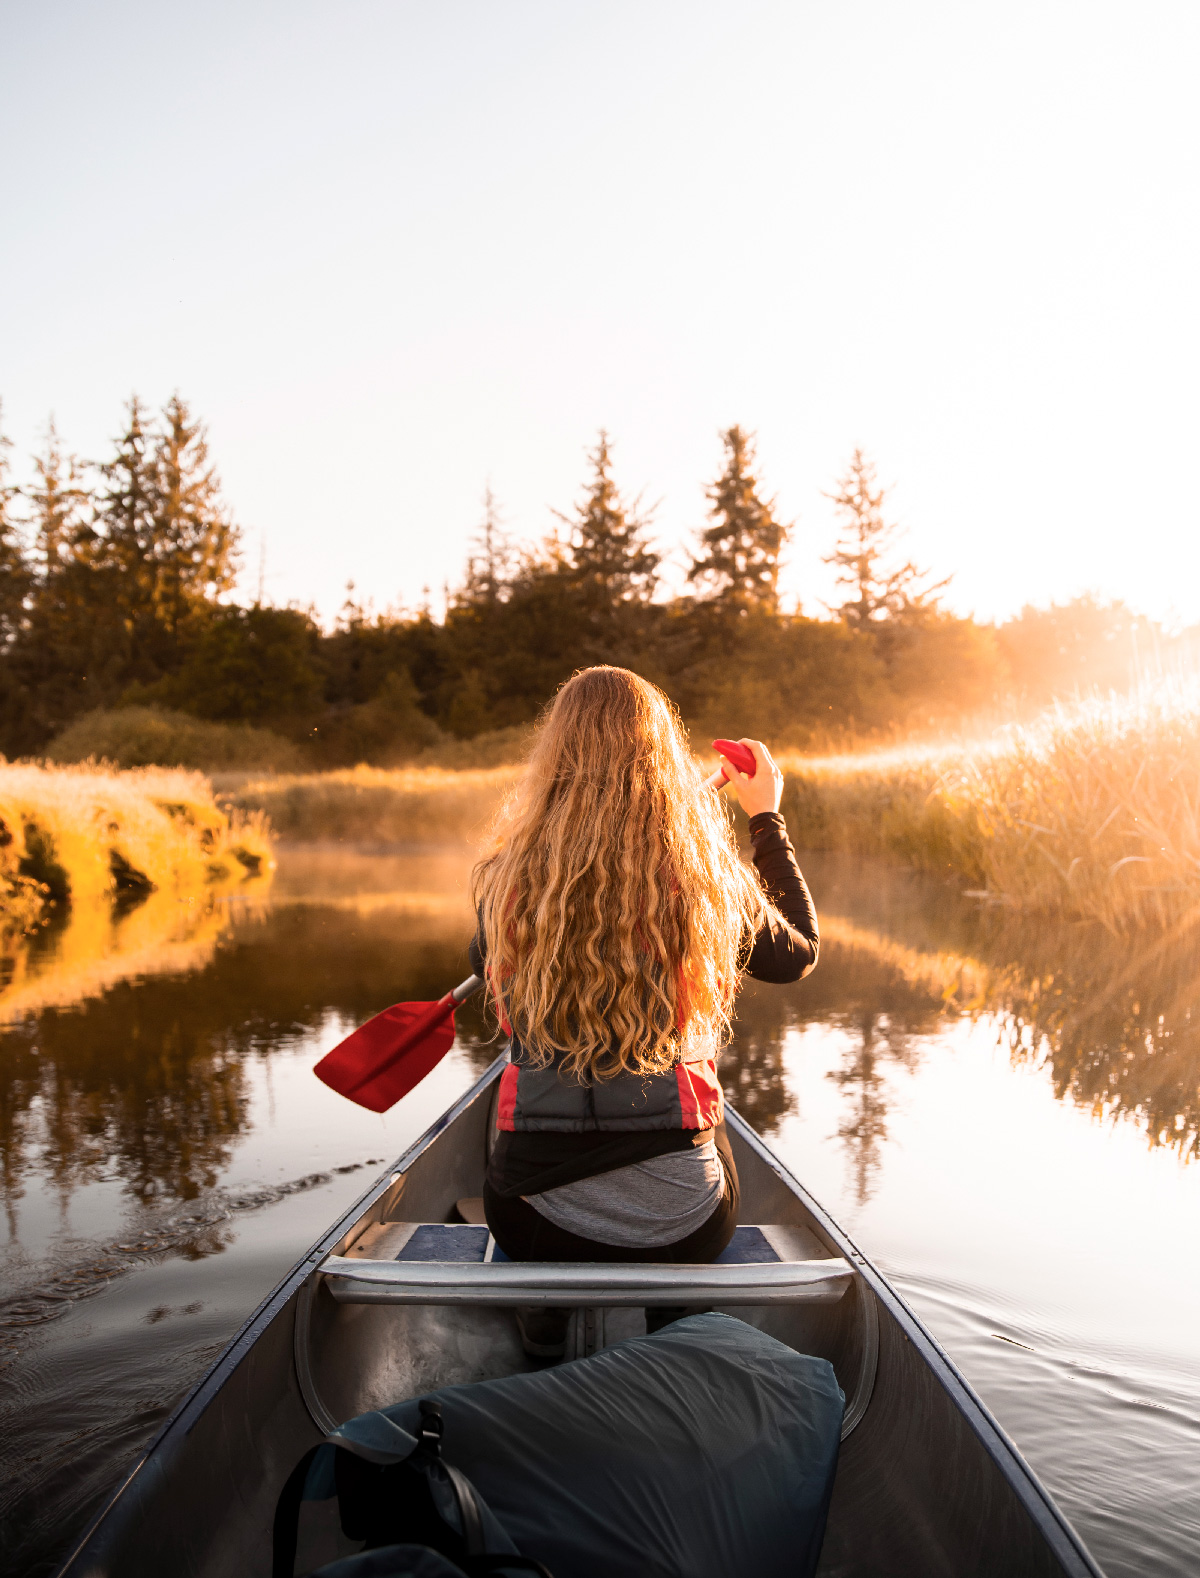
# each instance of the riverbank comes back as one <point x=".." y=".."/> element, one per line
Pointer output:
<point x="1092" y="812"/>
<point x="94" y="836"/>
<point x="364" y="805"/>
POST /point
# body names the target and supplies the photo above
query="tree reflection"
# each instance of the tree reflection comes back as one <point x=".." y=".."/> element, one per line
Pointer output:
<point x="859" y="990"/>
<point x="147" y="1083"/>
<point x="1118" y="1025"/>
<point x="863" y="1080"/>
<point x="1115" y="1021"/>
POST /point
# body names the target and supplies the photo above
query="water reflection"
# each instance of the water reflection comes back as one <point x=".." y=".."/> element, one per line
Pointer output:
<point x="125" y="1058"/>
<point x="1115" y="1023"/>
<point x="154" y="1074"/>
<point x="860" y="989"/>
<point x="145" y="1082"/>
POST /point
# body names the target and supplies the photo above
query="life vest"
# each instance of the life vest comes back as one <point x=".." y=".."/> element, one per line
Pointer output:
<point x="686" y="1096"/>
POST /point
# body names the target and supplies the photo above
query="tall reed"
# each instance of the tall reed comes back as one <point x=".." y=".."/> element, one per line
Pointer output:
<point x="1093" y="812"/>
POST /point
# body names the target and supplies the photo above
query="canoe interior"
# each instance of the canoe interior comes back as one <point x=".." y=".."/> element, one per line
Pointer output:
<point x="927" y="1485"/>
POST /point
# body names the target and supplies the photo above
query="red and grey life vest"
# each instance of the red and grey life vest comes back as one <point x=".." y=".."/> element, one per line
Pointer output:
<point x="686" y="1096"/>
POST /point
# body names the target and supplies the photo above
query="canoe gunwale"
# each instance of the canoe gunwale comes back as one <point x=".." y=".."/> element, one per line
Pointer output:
<point x="189" y="1409"/>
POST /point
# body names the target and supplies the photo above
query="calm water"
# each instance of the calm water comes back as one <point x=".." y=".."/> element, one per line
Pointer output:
<point x="1001" y="1117"/>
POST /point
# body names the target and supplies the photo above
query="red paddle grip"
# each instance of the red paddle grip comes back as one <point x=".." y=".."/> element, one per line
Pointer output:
<point x="741" y="756"/>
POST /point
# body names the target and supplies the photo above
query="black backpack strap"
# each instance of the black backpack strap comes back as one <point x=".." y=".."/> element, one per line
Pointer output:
<point x="430" y="1438"/>
<point x="468" y="1511"/>
<point x="287" y="1518"/>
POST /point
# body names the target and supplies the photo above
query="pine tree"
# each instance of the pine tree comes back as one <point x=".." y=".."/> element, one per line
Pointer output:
<point x="76" y="647"/>
<point x="57" y="502"/>
<point x="865" y="546"/>
<point x="15" y="577"/>
<point x="122" y="534"/>
<point x="606" y="562"/>
<point x="194" y="540"/>
<point x="741" y="551"/>
<point x="161" y="532"/>
<point x="491" y="561"/>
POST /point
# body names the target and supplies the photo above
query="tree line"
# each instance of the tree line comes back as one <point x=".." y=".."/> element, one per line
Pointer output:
<point x="116" y="581"/>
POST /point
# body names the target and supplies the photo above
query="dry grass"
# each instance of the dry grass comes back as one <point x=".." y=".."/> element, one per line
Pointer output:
<point x="1093" y="812"/>
<point x="87" y="835"/>
<point x="407" y="805"/>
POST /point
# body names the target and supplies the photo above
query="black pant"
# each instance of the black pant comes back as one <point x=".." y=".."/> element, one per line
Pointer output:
<point x="523" y="1233"/>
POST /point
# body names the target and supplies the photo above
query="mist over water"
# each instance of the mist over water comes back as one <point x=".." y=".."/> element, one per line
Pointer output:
<point x="1001" y="1114"/>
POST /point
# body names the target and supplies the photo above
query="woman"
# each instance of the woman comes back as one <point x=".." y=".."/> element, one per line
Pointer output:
<point x="615" y="918"/>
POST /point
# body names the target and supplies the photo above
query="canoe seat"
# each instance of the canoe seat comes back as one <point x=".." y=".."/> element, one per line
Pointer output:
<point x="457" y="1243"/>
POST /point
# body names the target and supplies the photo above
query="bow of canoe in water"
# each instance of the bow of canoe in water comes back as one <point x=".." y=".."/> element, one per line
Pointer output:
<point x="927" y="1484"/>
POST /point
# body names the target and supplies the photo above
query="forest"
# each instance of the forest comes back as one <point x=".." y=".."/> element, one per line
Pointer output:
<point x="116" y="593"/>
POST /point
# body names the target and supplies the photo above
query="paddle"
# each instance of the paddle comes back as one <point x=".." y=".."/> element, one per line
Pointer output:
<point x="740" y="755"/>
<point x="382" y="1060"/>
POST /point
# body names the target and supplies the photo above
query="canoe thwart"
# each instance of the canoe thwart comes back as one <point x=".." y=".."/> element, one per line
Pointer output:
<point x="362" y="1281"/>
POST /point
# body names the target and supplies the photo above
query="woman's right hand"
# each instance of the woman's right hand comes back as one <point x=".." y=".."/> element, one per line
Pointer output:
<point x="762" y="792"/>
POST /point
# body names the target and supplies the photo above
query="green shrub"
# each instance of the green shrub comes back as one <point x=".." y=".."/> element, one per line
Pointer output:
<point x="155" y="737"/>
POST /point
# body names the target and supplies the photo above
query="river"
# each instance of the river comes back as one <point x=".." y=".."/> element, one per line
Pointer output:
<point x="1003" y="1115"/>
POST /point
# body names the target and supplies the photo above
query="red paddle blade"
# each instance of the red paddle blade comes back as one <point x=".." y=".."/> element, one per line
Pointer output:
<point x="382" y="1060"/>
<point x="741" y="756"/>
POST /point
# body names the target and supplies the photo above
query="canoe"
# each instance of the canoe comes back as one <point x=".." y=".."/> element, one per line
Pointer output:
<point x="395" y="1301"/>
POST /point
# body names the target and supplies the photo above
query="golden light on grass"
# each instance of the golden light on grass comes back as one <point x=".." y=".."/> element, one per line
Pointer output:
<point x="419" y="805"/>
<point x="1092" y="812"/>
<point x="89" y="835"/>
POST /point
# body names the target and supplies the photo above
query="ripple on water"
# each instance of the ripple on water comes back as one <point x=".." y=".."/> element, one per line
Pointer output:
<point x="47" y="1289"/>
<point x="1115" y="1434"/>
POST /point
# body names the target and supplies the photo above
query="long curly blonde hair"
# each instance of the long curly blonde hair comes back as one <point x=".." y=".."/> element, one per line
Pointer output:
<point x="615" y="905"/>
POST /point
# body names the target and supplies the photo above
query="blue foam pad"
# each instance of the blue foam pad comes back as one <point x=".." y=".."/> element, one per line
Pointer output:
<point x="747" y="1247"/>
<point x="446" y="1241"/>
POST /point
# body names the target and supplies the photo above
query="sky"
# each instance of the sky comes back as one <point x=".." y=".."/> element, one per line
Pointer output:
<point x="395" y="252"/>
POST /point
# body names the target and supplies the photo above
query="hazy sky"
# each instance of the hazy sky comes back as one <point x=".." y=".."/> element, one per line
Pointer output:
<point x="390" y="251"/>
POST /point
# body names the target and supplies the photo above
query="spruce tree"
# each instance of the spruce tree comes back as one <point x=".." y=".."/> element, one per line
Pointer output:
<point x="863" y="556"/>
<point x="605" y="572"/>
<point x="15" y="577"/>
<point x="77" y="646"/>
<point x="491" y="561"/>
<point x="194" y="540"/>
<point x="741" y="551"/>
<point x="67" y="610"/>
<point x="122" y="533"/>
<point x="57" y="500"/>
<point x="161" y="533"/>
